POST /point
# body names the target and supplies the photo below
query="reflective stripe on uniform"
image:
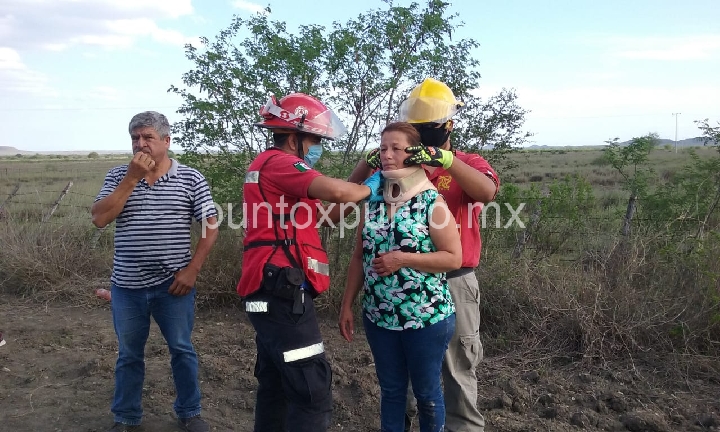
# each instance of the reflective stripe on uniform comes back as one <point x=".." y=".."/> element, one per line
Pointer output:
<point x="252" y="176"/>
<point x="256" y="306"/>
<point x="318" y="267"/>
<point x="303" y="353"/>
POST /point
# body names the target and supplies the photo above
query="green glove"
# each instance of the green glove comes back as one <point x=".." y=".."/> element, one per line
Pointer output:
<point x="431" y="156"/>
<point x="373" y="159"/>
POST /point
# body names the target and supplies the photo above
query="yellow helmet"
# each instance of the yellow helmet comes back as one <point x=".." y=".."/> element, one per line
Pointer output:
<point x="431" y="101"/>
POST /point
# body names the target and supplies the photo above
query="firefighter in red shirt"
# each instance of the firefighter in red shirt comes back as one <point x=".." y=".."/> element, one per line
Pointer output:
<point x="467" y="182"/>
<point x="284" y="265"/>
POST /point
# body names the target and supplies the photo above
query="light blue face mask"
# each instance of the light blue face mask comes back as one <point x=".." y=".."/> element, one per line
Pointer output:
<point x="313" y="154"/>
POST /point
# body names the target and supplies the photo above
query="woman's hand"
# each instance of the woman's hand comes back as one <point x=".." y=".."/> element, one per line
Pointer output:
<point x="388" y="262"/>
<point x="346" y="322"/>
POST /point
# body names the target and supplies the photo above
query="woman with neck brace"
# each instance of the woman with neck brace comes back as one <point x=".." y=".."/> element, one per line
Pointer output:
<point x="404" y="246"/>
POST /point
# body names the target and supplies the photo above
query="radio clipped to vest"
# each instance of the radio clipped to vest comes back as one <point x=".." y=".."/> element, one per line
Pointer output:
<point x="282" y="282"/>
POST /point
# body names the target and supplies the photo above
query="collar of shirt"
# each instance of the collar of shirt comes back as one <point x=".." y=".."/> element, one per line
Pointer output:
<point x="172" y="172"/>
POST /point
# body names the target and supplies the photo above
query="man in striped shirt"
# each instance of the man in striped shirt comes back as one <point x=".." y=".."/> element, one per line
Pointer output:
<point x="153" y="201"/>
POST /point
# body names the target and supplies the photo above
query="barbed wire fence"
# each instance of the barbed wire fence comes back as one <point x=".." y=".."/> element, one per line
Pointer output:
<point x="15" y="205"/>
<point x="28" y="203"/>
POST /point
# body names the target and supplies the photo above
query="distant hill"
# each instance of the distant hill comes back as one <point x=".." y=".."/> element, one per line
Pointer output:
<point x="12" y="151"/>
<point x="689" y="142"/>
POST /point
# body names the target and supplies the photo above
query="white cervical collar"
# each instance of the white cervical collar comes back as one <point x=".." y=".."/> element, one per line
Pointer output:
<point x="404" y="183"/>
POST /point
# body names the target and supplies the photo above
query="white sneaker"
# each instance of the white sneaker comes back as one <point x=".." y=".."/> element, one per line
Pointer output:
<point x="2" y="341"/>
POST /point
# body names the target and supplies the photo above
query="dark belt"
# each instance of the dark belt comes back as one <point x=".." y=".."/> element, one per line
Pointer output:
<point x="297" y="295"/>
<point x="462" y="271"/>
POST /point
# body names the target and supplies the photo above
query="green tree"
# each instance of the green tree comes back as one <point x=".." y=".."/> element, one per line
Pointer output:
<point x="688" y="205"/>
<point x="362" y="69"/>
<point x="493" y="127"/>
<point x="631" y="161"/>
<point x="93" y="155"/>
<point x="711" y="135"/>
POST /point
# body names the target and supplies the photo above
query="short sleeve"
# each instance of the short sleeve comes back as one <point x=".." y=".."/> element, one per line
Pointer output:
<point x="203" y="205"/>
<point x="289" y="175"/>
<point x="112" y="180"/>
<point x="480" y="164"/>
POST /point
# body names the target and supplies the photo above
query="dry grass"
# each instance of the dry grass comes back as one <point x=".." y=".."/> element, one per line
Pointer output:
<point x="52" y="261"/>
<point x="628" y="300"/>
<point x="543" y="165"/>
<point x="597" y="297"/>
<point x="218" y="280"/>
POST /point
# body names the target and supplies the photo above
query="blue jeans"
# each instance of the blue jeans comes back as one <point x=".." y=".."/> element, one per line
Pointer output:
<point x="419" y="355"/>
<point x="175" y="315"/>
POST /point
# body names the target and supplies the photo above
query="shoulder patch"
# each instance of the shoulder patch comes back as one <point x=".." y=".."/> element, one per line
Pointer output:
<point x="301" y="166"/>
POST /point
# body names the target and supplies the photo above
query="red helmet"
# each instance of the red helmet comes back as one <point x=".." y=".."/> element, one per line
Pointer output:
<point x="303" y="113"/>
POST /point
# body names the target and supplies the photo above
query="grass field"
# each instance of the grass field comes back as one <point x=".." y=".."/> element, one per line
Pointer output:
<point x="618" y="330"/>
<point x="573" y="228"/>
<point x="42" y="179"/>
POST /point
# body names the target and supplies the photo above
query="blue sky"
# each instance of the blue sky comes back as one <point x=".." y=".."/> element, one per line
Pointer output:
<point x="73" y="72"/>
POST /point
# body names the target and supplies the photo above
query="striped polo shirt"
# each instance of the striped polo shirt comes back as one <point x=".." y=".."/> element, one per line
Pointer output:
<point x="152" y="233"/>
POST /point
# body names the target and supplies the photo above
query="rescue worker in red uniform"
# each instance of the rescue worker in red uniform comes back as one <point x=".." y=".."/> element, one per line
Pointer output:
<point x="467" y="182"/>
<point x="284" y="265"/>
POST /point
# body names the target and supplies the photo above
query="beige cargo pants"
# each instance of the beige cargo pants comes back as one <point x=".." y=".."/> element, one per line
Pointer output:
<point x="461" y="360"/>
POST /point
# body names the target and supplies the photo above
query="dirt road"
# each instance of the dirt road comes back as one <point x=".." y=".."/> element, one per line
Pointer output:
<point x="56" y="374"/>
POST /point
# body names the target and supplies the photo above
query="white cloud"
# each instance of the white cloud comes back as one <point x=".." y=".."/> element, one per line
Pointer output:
<point x="16" y="77"/>
<point x="104" y="93"/>
<point x="59" y="24"/>
<point x="54" y="46"/>
<point x="248" y="6"/>
<point x="616" y="100"/>
<point x="10" y="59"/>
<point x="128" y="29"/>
<point x="486" y="91"/>
<point x="683" y="48"/>
<point x="590" y="115"/>
<point x="166" y="8"/>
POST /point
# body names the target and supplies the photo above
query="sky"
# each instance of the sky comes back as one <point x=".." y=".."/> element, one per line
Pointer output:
<point x="73" y="72"/>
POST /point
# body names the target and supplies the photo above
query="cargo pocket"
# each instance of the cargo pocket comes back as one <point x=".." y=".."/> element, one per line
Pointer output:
<point x="472" y="352"/>
<point x="308" y="381"/>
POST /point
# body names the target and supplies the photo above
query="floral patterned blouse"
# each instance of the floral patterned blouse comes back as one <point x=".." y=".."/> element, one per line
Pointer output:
<point x="407" y="298"/>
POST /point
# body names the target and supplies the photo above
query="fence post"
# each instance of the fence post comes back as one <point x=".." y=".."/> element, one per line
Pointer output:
<point x="9" y="197"/>
<point x="629" y="213"/>
<point x="57" y="202"/>
<point x="96" y="237"/>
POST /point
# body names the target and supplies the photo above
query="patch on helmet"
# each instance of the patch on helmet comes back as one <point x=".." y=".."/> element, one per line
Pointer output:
<point x="301" y="111"/>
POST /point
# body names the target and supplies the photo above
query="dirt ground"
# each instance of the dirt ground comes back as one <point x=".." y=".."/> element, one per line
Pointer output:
<point x="56" y="374"/>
